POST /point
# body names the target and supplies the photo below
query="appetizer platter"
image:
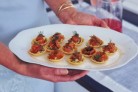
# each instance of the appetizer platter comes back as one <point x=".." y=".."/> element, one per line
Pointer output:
<point x="74" y="47"/>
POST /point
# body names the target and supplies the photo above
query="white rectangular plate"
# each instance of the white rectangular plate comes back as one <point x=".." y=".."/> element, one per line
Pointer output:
<point x="21" y="43"/>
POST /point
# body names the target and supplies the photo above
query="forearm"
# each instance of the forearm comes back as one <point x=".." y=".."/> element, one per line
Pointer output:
<point x="7" y="58"/>
<point x="54" y="4"/>
<point x="2" y="52"/>
<point x="63" y="15"/>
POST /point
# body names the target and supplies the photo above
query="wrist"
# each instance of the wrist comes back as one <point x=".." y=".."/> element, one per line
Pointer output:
<point x="67" y="15"/>
<point x="66" y="12"/>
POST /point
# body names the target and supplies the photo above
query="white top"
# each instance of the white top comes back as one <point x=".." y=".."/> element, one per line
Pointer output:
<point x="15" y="16"/>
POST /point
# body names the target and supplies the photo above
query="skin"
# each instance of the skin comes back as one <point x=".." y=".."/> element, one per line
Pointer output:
<point x="70" y="16"/>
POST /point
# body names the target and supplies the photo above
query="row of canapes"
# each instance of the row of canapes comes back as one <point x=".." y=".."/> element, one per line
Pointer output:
<point x="95" y="50"/>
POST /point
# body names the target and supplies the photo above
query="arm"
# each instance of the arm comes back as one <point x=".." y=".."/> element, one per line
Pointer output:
<point x="72" y="16"/>
<point x="66" y="14"/>
<point x="9" y="60"/>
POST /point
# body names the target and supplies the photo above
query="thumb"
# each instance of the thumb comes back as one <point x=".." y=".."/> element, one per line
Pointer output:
<point x="103" y="24"/>
<point x="61" y="71"/>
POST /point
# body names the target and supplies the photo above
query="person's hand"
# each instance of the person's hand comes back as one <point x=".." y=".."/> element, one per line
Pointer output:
<point x="50" y="74"/>
<point x="9" y="60"/>
<point x="47" y="73"/>
<point x="72" y="16"/>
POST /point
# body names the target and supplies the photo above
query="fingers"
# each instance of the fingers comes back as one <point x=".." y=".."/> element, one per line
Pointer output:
<point x="100" y="23"/>
<point x="103" y="24"/>
<point x="60" y="78"/>
<point x="64" y="78"/>
<point x="58" y="75"/>
<point x="54" y="71"/>
<point x="81" y="18"/>
<point x="62" y="75"/>
<point x="61" y="72"/>
<point x="51" y="74"/>
<point x="78" y="74"/>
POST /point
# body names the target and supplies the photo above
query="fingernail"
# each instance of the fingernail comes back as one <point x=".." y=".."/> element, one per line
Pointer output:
<point x="61" y="72"/>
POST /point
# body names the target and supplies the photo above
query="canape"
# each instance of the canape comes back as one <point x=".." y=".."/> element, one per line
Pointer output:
<point x="88" y="51"/>
<point x="95" y="41"/>
<point x="76" y="59"/>
<point x="53" y="45"/>
<point x="58" y="36"/>
<point x="99" y="57"/>
<point x="37" y="50"/>
<point x="69" y="48"/>
<point x="40" y="39"/>
<point x="55" y="55"/>
<point x="76" y="39"/>
<point x="109" y="49"/>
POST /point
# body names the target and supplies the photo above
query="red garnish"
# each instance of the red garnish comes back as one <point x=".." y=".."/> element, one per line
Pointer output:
<point x="88" y="50"/>
<point x="56" y="54"/>
<point x="100" y="56"/>
<point x="58" y="36"/>
<point x="75" y="38"/>
<point x="36" y="48"/>
<point x="76" y="56"/>
<point x="111" y="48"/>
<point x="69" y="47"/>
<point x="95" y="41"/>
<point x="41" y="39"/>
